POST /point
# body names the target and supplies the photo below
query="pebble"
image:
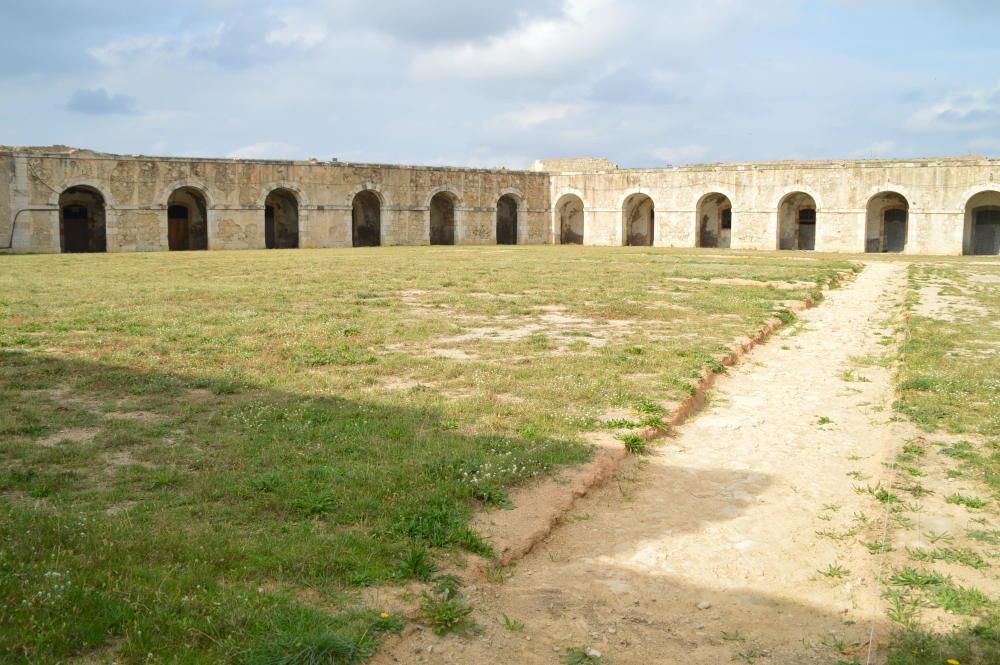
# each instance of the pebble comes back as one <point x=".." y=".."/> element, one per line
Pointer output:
<point x="704" y="605"/>
<point x="592" y="653"/>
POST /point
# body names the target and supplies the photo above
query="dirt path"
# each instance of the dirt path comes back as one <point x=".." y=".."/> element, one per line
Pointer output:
<point x="707" y="550"/>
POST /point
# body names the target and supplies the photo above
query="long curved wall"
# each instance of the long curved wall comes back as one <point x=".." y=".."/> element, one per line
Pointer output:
<point x="936" y="192"/>
<point x="136" y="190"/>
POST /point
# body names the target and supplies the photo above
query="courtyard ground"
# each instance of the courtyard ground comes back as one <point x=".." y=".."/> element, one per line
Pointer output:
<point x="206" y="456"/>
<point x="800" y="518"/>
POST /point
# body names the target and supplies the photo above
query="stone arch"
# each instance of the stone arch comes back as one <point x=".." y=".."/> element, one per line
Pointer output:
<point x="981" y="232"/>
<point x="366" y="218"/>
<point x="714" y="221"/>
<point x="797" y="221"/>
<point x="292" y="187"/>
<point x="441" y="213"/>
<point x="638" y="220"/>
<point x="629" y="193"/>
<point x="571" y="219"/>
<point x="887" y="217"/>
<point x="376" y="189"/>
<point x="187" y="219"/>
<point x="446" y="189"/>
<point x="282" y="219"/>
<point x="82" y="219"/>
<point x="89" y="183"/>
<point x="188" y="183"/>
<point x="889" y="187"/>
<point x="508" y="223"/>
<point x="797" y="189"/>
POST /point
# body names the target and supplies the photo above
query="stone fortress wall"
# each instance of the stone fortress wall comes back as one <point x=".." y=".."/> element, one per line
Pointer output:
<point x="61" y="199"/>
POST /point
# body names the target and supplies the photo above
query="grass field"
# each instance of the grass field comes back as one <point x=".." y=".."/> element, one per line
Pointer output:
<point x="949" y="384"/>
<point x="951" y="374"/>
<point x="205" y="456"/>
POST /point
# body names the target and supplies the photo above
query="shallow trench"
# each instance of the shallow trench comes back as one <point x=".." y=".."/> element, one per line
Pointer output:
<point x="713" y="536"/>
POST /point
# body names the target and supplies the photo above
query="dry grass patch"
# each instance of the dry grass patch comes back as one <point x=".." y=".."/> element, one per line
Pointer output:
<point x="258" y="424"/>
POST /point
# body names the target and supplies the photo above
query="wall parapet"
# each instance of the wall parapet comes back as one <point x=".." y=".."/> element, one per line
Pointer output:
<point x="129" y="194"/>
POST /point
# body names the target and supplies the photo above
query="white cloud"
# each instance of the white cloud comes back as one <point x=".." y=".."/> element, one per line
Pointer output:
<point x="266" y="150"/>
<point x="541" y="47"/>
<point x="875" y="150"/>
<point x="296" y="29"/>
<point x="977" y="109"/>
<point x="119" y="52"/>
<point x="682" y="154"/>
<point x="539" y="114"/>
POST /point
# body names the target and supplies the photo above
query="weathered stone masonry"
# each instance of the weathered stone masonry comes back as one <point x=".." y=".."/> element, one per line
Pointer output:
<point x="64" y="200"/>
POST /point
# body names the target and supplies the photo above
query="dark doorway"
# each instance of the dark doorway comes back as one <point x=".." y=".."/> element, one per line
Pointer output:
<point x="366" y="220"/>
<point x="797" y="221"/>
<point x="507" y="220"/>
<point x="807" y="228"/>
<point x="986" y="232"/>
<point x="571" y="220"/>
<point x="187" y="220"/>
<point x="442" y="219"/>
<point x="178" y="228"/>
<point x="82" y="225"/>
<point x="895" y="229"/>
<point x="639" y="217"/>
<point x="886" y="221"/>
<point x="715" y="221"/>
<point x="281" y="220"/>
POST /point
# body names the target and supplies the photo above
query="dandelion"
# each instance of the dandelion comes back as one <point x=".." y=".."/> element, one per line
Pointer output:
<point x="385" y="615"/>
<point x="952" y="661"/>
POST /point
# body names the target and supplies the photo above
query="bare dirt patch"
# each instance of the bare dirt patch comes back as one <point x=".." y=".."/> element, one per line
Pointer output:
<point x="937" y="305"/>
<point x="708" y="551"/>
<point x="737" y="281"/>
<point x="72" y="434"/>
<point x="136" y="416"/>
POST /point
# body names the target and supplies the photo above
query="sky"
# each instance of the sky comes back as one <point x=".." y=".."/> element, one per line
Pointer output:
<point x="504" y="82"/>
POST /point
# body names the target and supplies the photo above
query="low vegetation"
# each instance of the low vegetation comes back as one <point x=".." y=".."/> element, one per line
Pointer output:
<point x="949" y="384"/>
<point x="205" y="456"/>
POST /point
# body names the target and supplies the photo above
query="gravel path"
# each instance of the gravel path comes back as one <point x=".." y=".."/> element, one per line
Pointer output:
<point x="707" y="550"/>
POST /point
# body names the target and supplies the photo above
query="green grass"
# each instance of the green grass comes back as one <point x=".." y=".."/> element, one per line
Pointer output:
<point x="206" y="455"/>
<point x="950" y="374"/>
<point x="581" y="656"/>
<point x="967" y="501"/>
<point x="948" y="380"/>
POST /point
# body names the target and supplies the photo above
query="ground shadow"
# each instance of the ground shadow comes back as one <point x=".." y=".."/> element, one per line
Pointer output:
<point x="187" y="512"/>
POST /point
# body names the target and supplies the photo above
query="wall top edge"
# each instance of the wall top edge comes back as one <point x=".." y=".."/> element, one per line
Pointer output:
<point x="61" y="152"/>
<point x="797" y="165"/>
<point x="64" y="152"/>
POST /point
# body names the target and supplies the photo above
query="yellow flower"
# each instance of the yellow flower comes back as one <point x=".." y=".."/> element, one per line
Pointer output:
<point x="952" y="661"/>
<point x="385" y="615"/>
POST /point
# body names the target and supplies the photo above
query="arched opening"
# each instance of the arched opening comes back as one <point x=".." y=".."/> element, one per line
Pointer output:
<point x="443" y="219"/>
<point x="570" y="211"/>
<point x="638" y="215"/>
<point x="366" y="220"/>
<point x="187" y="220"/>
<point x="797" y="222"/>
<point x="715" y="221"/>
<point x="507" y="220"/>
<point x="82" y="221"/>
<point x="982" y="225"/>
<point x="281" y="220"/>
<point x="886" y="222"/>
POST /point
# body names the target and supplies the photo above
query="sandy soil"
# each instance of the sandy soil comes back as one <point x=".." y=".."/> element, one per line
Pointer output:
<point x="707" y="550"/>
